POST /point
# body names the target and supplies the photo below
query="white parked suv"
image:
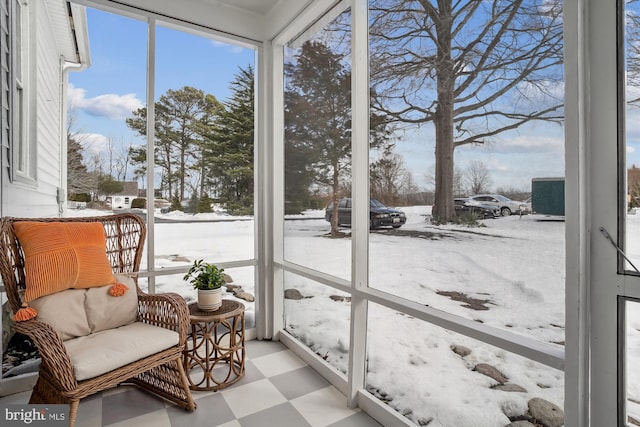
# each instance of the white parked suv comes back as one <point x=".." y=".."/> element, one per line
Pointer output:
<point x="506" y="205"/>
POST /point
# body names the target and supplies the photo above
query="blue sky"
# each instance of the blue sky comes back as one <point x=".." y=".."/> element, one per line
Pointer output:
<point x="102" y="96"/>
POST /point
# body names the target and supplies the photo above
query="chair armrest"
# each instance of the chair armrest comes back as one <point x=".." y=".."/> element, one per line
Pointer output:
<point x="53" y="352"/>
<point x="167" y="310"/>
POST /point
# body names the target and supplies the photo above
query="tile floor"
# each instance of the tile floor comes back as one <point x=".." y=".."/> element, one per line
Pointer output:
<point x="278" y="390"/>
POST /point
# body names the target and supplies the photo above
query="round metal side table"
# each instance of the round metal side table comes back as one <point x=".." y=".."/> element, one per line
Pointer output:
<point x="215" y="352"/>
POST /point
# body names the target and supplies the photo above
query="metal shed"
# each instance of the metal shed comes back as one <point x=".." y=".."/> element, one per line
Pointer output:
<point x="547" y="196"/>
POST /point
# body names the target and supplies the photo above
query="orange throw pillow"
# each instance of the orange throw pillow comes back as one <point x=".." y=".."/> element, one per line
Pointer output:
<point x="63" y="255"/>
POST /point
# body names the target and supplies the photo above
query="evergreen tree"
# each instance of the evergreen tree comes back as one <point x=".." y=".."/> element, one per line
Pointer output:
<point x="208" y="141"/>
<point x="175" y="203"/>
<point x="318" y="123"/>
<point x="177" y="115"/>
<point x="229" y="148"/>
<point x="193" y="203"/>
<point x="138" y="158"/>
<point x="107" y="185"/>
<point x="204" y="204"/>
<point x="318" y="120"/>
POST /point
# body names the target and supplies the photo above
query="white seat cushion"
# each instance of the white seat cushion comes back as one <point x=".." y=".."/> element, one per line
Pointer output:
<point x="104" y="351"/>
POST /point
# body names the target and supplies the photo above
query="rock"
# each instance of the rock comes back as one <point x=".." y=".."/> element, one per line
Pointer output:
<point x="178" y="258"/>
<point x="510" y="387"/>
<point x="340" y="298"/>
<point x="293" y="294"/>
<point x="245" y="296"/>
<point x="233" y="288"/>
<point x="227" y="278"/>
<point x="25" y="367"/>
<point x="520" y="423"/>
<point x="514" y="408"/>
<point x="546" y="412"/>
<point x="461" y="350"/>
<point x="491" y="372"/>
<point x="20" y="351"/>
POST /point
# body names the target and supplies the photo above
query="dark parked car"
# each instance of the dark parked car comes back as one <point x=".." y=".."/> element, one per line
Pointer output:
<point x="465" y="205"/>
<point x="379" y="214"/>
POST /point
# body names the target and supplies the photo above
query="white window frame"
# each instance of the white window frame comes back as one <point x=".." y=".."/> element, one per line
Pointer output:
<point x="23" y="147"/>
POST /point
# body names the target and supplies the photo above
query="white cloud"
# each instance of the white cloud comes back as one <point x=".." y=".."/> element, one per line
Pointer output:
<point x="92" y="142"/>
<point x="630" y="149"/>
<point x="527" y="144"/>
<point x="112" y="106"/>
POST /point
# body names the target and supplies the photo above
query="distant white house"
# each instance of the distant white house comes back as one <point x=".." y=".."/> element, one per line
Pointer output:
<point x="47" y="40"/>
<point x="123" y="199"/>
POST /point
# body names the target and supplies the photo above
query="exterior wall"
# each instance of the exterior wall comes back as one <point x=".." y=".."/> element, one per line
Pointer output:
<point x="40" y="198"/>
<point x="5" y="97"/>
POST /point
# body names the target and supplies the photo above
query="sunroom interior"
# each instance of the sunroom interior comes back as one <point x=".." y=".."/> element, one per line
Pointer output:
<point x="406" y="321"/>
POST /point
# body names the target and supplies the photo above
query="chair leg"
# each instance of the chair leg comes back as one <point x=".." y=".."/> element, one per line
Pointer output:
<point x="185" y="385"/>
<point x="44" y="393"/>
<point x="73" y="411"/>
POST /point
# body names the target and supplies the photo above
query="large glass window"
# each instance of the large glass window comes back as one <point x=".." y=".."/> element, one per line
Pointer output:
<point x="318" y="149"/>
<point x="203" y="142"/>
<point x="101" y="169"/>
<point x="203" y="155"/>
<point x="466" y="158"/>
<point x="465" y="127"/>
<point x="319" y="317"/>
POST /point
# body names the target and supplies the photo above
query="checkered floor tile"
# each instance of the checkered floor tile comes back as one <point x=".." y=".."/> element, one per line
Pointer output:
<point x="278" y="390"/>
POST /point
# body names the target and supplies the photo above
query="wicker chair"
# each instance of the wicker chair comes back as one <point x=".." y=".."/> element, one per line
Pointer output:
<point x="161" y="373"/>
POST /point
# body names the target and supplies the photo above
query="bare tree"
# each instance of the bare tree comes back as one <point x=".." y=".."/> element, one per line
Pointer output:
<point x="79" y="179"/>
<point x="473" y="68"/>
<point x="389" y="179"/>
<point x="477" y="178"/>
<point x="121" y="161"/>
<point x="95" y="165"/>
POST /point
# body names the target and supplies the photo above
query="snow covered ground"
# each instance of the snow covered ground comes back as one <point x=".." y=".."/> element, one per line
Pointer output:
<point x="514" y="264"/>
<point x="513" y="267"/>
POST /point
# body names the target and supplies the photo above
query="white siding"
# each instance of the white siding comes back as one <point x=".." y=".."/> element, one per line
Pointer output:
<point x="5" y="100"/>
<point x="45" y="94"/>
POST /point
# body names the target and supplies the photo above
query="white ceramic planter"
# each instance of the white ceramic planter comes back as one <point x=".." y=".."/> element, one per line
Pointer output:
<point x="209" y="299"/>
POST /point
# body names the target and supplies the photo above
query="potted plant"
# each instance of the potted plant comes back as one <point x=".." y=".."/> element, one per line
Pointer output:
<point x="208" y="280"/>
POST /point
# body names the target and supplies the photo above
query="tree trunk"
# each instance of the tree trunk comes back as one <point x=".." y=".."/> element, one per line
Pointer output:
<point x="443" y="122"/>
<point x="336" y="200"/>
